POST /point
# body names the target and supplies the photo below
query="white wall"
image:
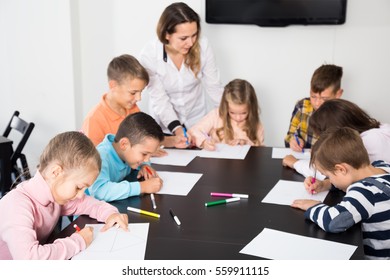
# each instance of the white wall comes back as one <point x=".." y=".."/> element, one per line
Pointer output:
<point x="36" y="69"/>
<point x="278" y="62"/>
<point x="55" y="53"/>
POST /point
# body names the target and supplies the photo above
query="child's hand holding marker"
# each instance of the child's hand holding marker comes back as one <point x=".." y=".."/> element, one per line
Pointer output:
<point x="298" y="145"/>
<point x="86" y="233"/>
<point x="311" y="185"/>
<point x="147" y="172"/>
<point x="208" y="144"/>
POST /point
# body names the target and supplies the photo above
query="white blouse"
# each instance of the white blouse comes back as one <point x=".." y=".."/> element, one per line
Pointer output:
<point x="177" y="94"/>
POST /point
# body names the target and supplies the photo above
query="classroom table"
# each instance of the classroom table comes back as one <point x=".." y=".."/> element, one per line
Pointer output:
<point x="220" y="232"/>
<point x="5" y="164"/>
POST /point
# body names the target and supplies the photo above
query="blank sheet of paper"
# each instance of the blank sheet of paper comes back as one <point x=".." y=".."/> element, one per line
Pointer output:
<point x="226" y="151"/>
<point x="282" y="152"/>
<point x="177" y="183"/>
<point x="278" y="245"/>
<point x="285" y="192"/>
<point x="116" y="244"/>
<point x="176" y="157"/>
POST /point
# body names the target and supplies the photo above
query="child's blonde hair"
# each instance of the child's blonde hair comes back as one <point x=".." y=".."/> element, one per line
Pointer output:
<point x="70" y="150"/>
<point x="239" y="92"/>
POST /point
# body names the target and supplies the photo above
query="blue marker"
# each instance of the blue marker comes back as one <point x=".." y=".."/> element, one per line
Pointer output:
<point x="297" y="139"/>
<point x="185" y="134"/>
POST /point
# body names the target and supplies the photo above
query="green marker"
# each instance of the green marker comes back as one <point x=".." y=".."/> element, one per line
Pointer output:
<point x="222" y="201"/>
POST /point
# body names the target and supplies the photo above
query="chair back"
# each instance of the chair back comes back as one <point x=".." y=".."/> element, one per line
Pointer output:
<point x="24" y="128"/>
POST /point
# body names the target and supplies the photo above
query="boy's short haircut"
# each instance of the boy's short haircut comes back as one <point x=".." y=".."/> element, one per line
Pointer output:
<point x="340" y="145"/>
<point x="327" y="75"/>
<point x="125" y="66"/>
<point x="138" y="126"/>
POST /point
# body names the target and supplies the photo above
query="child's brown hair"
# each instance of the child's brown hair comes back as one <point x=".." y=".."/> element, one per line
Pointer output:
<point x="327" y="75"/>
<point x="340" y="145"/>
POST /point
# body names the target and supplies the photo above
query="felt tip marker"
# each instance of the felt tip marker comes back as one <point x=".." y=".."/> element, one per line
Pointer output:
<point x="76" y="227"/>
<point x="174" y="217"/>
<point x="222" y="201"/>
<point x="149" y="171"/>
<point x="229" y="194"/>
<point x="185" y="135"/>
<point x="313" y="180"/>
<point x="131" y="209"/>
<point x="153" y="200"/>
<point x="297" y="139"/>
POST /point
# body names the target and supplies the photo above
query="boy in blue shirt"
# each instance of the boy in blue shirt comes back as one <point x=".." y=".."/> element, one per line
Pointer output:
<point x="340" y="155"/>
<point x="138" y="137"/>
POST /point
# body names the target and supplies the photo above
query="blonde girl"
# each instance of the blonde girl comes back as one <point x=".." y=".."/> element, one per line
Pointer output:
<point x="235" y="122"/>
<point x="28" y="214"/>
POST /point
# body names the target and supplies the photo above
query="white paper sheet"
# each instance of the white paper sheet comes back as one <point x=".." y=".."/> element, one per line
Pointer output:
<point x="226" y="151"/>
<point x="278" y="245"/>
<point x="176" y="157"/>
<point x="116" y="244"/>
<point x="285" y="192"/>
<point x="282" y="152"/>
<point x="178" y="183"/>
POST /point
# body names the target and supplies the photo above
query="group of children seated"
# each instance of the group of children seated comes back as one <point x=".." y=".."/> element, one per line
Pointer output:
<point x="344" y="141"/>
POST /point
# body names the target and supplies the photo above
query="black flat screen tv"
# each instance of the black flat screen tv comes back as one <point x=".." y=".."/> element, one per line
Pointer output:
<point x="276" y="12"/>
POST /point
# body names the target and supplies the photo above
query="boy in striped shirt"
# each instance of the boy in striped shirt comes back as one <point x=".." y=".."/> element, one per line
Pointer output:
<point x="340" y="155"/>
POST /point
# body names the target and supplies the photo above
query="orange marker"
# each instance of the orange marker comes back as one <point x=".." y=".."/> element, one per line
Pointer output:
<point x="76" y="227"/>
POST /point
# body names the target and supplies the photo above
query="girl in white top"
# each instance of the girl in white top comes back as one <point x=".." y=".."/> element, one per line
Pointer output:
<point x="235" y="122"/>
<point x="342" y="113"/>
<point x="181" y="66"/>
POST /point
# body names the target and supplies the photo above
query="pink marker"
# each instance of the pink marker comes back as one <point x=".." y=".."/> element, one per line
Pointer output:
<point x="313" y="180"/>
<point x="229" y="195"/>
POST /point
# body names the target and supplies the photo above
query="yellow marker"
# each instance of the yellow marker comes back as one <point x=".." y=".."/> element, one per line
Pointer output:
<point x="143" y="212"/>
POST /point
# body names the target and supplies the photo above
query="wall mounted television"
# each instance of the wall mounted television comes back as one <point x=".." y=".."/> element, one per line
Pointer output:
<point x="276" y="12"/>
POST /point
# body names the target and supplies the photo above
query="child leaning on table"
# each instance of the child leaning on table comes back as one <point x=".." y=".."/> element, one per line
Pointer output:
<point x="235" y="122"/>
<point x="138" y="137"/>
<point x="337" y="113"/>
<point x="341" y="156"/>
<point x="30" y="212"/>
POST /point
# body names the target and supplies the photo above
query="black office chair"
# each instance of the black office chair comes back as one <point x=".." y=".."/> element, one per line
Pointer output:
<point x="20" y="170"/>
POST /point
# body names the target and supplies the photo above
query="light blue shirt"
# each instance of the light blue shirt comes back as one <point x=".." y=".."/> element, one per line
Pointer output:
<point x="110" y="184"/>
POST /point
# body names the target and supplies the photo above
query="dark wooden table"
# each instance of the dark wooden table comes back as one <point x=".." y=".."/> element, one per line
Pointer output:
<point x="220" y="232"/>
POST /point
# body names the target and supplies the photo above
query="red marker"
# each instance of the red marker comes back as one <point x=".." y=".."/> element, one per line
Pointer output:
<point x="147" y="169"/>
<point x="76" y="227"/>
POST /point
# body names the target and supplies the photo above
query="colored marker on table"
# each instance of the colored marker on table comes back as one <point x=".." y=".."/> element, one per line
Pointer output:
<point x="229" y="194"/>
<point x="153" y="200"/>
<point x="174" y="217"/>
<point x="222" y="201"/>
<point x="76" y="227"/>
<point x="144" y="212"/>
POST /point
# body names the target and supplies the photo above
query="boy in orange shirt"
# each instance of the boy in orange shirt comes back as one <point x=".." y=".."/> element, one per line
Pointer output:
<point x="127" y="78"/>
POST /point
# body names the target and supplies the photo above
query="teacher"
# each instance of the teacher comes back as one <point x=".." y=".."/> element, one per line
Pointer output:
<point x="182" y="68"/>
